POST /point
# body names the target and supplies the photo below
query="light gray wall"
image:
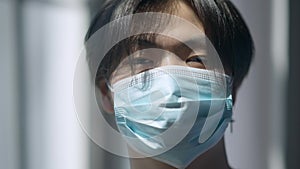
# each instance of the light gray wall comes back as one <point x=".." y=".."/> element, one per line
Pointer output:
<point x="9" y="142"/>
<point x="257" y="140"/>
<point x="40" y="42"/>
<point x="52" y="38"/>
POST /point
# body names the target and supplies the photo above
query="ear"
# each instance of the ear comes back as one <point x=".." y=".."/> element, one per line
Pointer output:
<point x="106" y="99"/>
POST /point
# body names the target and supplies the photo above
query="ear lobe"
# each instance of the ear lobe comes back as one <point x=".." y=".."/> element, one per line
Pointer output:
<point x="106" y="99"/>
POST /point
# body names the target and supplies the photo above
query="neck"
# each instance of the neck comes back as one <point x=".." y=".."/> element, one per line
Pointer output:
<point x="212" y="159"/>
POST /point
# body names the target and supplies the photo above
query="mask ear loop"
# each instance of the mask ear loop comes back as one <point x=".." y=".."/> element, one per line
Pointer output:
<point x="229" y="81"/>
<point x="108" y="85"/>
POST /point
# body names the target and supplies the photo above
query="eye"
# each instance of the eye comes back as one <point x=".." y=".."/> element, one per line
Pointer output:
<point x="196" y="61"/>
<point x="195" y="58"/>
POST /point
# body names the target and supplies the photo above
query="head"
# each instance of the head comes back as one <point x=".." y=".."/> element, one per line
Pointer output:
<point x="219" y="20"/>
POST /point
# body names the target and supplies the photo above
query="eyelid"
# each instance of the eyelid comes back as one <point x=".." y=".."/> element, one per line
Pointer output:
<point x="201" y="57"/>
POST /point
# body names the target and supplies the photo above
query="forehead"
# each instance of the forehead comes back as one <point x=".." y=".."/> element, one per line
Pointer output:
<point x="180" y="29"/>
<point x="185" y="11"/>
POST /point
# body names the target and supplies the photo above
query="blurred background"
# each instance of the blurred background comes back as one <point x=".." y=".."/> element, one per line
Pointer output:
<point x="40" y="41"/>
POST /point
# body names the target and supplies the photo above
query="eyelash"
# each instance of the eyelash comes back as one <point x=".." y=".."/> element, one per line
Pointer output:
<point x="195" y="58"/>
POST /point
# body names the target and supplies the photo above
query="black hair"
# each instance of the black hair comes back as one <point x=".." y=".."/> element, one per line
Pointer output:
<point x="223" y="25"/>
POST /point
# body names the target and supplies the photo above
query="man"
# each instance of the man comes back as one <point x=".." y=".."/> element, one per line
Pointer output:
<point x="154" y="82"/>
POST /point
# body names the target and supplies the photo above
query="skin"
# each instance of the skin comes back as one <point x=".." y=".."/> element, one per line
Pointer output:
<point x="215" y="158"/>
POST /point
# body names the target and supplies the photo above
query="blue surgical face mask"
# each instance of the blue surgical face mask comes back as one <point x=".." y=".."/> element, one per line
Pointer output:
<point x="173" y="113"/>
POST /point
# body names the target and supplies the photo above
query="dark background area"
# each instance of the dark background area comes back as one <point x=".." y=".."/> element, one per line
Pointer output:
<point x="293" y="98"/>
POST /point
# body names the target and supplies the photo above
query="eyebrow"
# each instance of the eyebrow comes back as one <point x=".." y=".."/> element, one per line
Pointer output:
<point x="197" y="43"/>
